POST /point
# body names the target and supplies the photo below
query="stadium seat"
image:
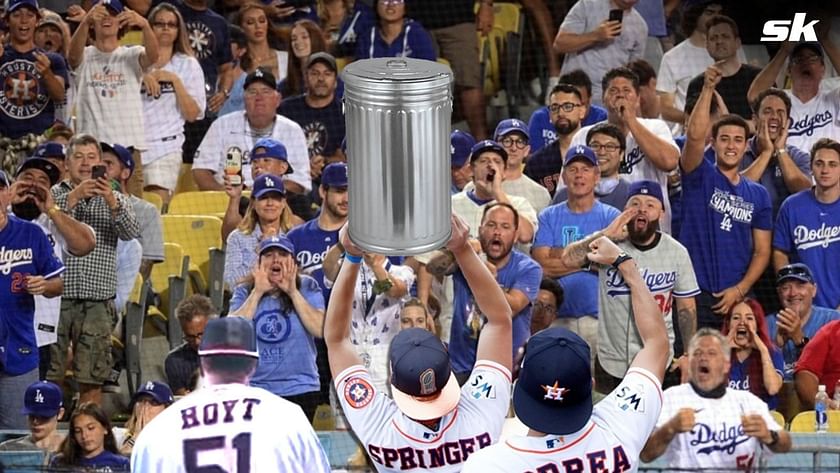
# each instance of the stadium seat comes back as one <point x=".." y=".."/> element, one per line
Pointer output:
<point x="212" y="203"/>
<point x="169" y="281"/>
<point x="135" y="315"/>
<point x="778" y="417"/>
<point x="804" y="422"/>
<point x="201" y="238"/>
<point x="153" y="199"/>
<point x="22" y="461"/>
<point x="500" y="53"/>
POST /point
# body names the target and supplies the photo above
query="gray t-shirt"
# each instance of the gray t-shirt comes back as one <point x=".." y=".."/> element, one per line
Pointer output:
<point x="151" y="234"/>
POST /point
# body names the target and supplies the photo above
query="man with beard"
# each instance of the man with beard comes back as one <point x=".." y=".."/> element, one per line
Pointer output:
<point x="30" y="269"/>
<point x="34" y="80"/>
<point x="518" y="275"/>
<point x="319" y="113"/>
<point x="567" y="111"/>
<point x="32" y="200"/>
<point x="814" y="113"/>
<point x="667" y="271"/>
<point x="724" y="46"/>
<point x="726" y="219"/>
<point x="651" y="153"/>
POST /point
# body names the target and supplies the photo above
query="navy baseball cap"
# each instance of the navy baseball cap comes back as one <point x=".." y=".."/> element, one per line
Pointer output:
<point x="115" y="5"/>
<point x="277" y="241"/>
<point x="554" y="391"/>
<point x="4" y="179"/>
<point x="488" y="145"/>
<point x="422" y="382"/>
<point x="35" y="162"/>
<point x="271" y="148"/>
<point x="268" y="183"/>
<point x="649" y="188"/>
<point x="50" y="149"/>
<point x="334" y="175"/>
<point x="160" y="392"/>
<point x="799" y="271"/>
<point x="15" y="4"/>
<point x="810" y="45"/>
<point x="580" y="152"/>
<point x="122" y="153"/>
<point x="260" y="75"/>
<point x="231" y="335"/>
<point x="461" y="144"/>
<point x="511" y="125"/>
<point x="42" y="399"/>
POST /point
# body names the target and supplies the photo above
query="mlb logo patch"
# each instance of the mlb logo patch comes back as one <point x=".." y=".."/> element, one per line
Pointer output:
<point x="358" y="393"/>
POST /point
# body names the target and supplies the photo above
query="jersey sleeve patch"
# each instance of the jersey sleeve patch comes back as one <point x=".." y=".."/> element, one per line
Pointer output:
<point x="631" y="397"/>
<point x="358" y="392"/>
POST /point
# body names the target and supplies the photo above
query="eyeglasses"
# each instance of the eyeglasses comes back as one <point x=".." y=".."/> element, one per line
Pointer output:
<point x="189" y="338"/>
<point x="794" y="271"/>
<point x="259" y="92"/>
<point x="544" y="306"/>
<point x="609" y="147"/>
<point x="511" y="142"/>
<point x="165" y="25"/>
<point x="811" y="58"/>
<point x="565" y="106"/>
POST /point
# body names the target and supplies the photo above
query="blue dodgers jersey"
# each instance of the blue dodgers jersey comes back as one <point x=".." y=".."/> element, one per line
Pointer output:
<point x="717" y="222"/>
<point x="25" y="105"/>
<point x="808" y="231"/>
<point x="311" y="245"/>
<point x="24" y="251"/>
<point x="522" y="273"/>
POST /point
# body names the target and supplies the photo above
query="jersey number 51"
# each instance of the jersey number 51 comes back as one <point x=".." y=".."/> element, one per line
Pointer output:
<point x="241" y="443"/>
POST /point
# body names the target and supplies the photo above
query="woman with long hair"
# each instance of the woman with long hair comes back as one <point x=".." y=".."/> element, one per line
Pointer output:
<point x="253" y="19"/>
<point x="394" y="35"/>
<point x="267" y="214"/>
<point x="756" y="365"/>
<point x="90" y="442"/>
<point x="306" y="40"/>
<point x="173" y="94"/>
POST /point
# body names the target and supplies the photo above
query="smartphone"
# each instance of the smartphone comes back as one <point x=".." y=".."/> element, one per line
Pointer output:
<point x="98" y="171"/>
<point x="616" y="15"/>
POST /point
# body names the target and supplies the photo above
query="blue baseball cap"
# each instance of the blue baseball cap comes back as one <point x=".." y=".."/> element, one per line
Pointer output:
<point x="488" y="145"/>
<point x="15" y="4"/>
<point x="799" y="271"/>
<point x="4" y="179"/>
<point x="554" y="391"/>
<point x="649" y="188"/>
<point x="580" y="152"/>
<point x="271" y="148"/>
<point x="231" y="335"/>
<point x="510" y="125"/>
<point x="422" y="382"/>
<point x="461" y="144"/>
<point x="334" y="175"/>
<point x="268" y="183"/>
<point x="50" y="149"/>
<point x="35" y="162"/>
<point x="122" y="153"/>
<point x="277" y="241"/>
<point x="42" y="399"/>
<point x="114" y="5"/>
<point x="160" y="392"/>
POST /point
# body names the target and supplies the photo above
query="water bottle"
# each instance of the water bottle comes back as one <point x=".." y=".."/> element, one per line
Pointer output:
<point x="820" y="407"/>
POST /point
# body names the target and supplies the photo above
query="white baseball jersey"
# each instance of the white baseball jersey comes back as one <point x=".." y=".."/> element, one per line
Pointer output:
<point x="47" y="309"/>
<point x="815" y="119"/>
<point x="232" y="132"/>
<point x="396" y="443"/>
<point x="611" y="441"/>
<point x="471" y="211"/>
<point x="718" y="440"/>
<point x="640" y="167"/>
<point x="233" y="428"/>
<point x="667" y="270"/>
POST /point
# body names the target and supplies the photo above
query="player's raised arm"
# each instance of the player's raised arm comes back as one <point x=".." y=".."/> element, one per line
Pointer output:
<point x="654" y="355"/>
<point x="340" y="351"/>
<point x="496" y="338"/>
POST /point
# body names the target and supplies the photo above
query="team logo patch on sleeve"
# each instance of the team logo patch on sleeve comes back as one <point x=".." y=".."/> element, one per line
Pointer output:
<point x="358" y="393"/>
<point x="631" y="398"/>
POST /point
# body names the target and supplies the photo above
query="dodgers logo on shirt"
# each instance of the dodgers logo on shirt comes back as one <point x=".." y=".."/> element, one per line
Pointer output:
<point x="202" y="39"/>
<point x="14" y="257"/>
<point x="358" y="393"/>
<point x="808" y="124"/>
<point x="273" y="326"/>
<point x="22" y="97"/>
<point x="806" y="238"/>
<point x="722" y="438"/>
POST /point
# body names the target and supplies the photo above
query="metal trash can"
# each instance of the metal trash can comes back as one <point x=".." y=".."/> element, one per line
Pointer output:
<point x="398" y="113"/>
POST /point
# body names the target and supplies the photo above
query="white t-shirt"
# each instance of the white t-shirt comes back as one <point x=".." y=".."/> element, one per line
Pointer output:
<point x="232" y="131"/>
<point x="396" y="443"/>
<point x="217" y="428"/>
<point x="641" y="168"/>
<point x="471" y="211"/>
<point x="164" y="122"/>
<point x="815" y="119"/>
<point x="47" y="309"/>
<point x="717" y="441"/>
<point x="108" y="103"/>
<point x="611" y="441"/>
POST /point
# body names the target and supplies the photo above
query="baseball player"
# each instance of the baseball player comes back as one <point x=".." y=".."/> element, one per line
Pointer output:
<point x="228" y="425"/>
<point x="430" y="423"/>
<point x="553" y="394"/>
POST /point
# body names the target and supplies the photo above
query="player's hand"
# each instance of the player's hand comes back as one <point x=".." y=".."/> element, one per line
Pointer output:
<point x="484" y="19"/>
<point x="712" y="76"/>
<point x="683" y="421"/>
<point x="603" y="251"/>
<point x="608" y="30"/>
<point x="150" y="81"/>
<point x="728" y="298"/>
<point x="374" y="260"/>
<point x="460" y="234"/>
<point x="617" y="229"/>
<point x="755" y="426"/>
<point x="36" y="285"/>
<point x="349" y="247"/>
<point x="233" y="192"/>
<point x="789" y="324"/>
<point x="42" y="64"/>
<point x="316" y="166"/>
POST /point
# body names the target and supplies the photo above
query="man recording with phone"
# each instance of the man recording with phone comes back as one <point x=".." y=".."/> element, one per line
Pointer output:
<point x="87" y="315"/>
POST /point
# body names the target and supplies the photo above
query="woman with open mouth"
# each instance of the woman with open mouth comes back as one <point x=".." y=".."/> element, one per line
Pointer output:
<point x="756" y="364"/>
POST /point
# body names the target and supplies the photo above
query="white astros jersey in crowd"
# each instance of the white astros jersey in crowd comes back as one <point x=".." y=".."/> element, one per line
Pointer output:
<point x="396" y="443"/>
<point x="232" y="428"/>
<point x="611" y="441"/>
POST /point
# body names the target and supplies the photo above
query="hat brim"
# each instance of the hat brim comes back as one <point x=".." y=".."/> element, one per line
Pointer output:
<point x="279" y="246"/>
<point x="40" y="413"/>
<point x="551" y="419"/>
<point x="263" y="192"/>
<point x="508" y="131"/>
<point x="228" y="351"/>
<point x="419" y="408"/>
<point x="43" y="165"/>
<point x="794" y="276"/>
